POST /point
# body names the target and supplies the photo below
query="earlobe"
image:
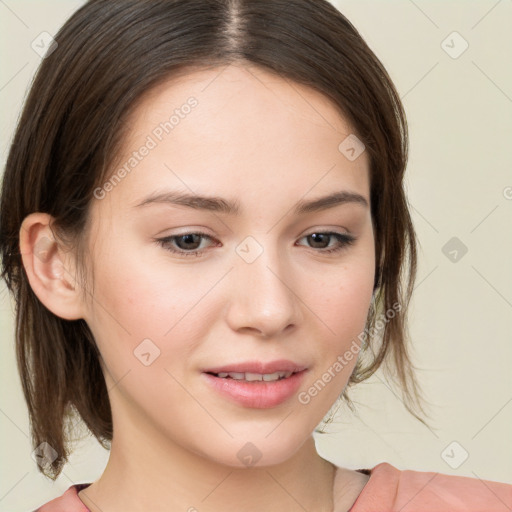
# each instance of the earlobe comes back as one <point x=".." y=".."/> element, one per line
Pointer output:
<point x="49" y="268"/>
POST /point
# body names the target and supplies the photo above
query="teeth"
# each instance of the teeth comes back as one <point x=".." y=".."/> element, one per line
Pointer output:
<point x="253" y="376"/>
<point x="250" y="377"/>
<point x="276" y="376"/>
<point x="237" y="376"/>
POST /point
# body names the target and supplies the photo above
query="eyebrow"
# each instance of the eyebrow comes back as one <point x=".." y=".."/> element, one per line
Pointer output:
<point x="229" y="207"/>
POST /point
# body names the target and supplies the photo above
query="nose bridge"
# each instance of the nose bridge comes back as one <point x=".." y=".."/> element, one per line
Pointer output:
<point x="262" y="296"/>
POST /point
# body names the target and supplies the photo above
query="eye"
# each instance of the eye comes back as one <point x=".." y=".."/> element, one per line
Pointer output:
<point x="320" y="240"/>
<point x="187" y="244"/>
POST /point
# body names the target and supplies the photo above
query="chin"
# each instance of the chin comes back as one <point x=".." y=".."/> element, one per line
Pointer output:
<point x="254" y="449"/>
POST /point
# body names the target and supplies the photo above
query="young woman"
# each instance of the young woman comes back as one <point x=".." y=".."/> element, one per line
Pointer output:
<point x="207" y="238"/>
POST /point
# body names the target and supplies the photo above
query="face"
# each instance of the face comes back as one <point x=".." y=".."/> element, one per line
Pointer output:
<point x="196" y="301"/>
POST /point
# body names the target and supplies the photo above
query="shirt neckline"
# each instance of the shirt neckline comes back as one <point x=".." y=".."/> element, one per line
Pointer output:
<point x="370" y="472"/>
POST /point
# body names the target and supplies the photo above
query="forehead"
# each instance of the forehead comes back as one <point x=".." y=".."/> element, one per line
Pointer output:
<point x="237" y="128"/>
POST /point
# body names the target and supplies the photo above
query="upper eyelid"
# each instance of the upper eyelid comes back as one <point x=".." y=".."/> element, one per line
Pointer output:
<point x="199" y="231"/>
<point x="207" y="235"/>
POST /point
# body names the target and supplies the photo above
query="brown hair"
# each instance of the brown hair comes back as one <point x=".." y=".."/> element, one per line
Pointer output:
<point x="111" y="52"/>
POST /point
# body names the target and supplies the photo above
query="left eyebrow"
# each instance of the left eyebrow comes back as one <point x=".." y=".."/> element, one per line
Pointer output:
<point x="229" y="207"/>
<point x="335" y="199"/>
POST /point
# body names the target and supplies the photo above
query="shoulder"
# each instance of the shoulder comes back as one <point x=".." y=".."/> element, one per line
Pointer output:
<point x="68" y="502"/>
<point x="420" y="491"/>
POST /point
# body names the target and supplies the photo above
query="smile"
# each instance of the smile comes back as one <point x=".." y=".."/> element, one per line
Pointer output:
<point x="256" y="390"/>
<point x="255" y="377"/>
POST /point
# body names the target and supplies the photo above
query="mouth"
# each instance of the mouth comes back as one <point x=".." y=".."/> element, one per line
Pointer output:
<point x="256" y="385"/>
<point x="253" y="377"/>
<point x="253" y="369"/>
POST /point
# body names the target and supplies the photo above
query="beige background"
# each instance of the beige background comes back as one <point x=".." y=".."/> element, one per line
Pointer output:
<point x="459" y="184"/>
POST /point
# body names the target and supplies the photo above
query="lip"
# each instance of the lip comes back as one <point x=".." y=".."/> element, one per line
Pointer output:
<point x="258" y="394"/>
<point x="281" y="365"/>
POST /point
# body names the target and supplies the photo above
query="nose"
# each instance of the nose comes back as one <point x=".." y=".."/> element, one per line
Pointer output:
<point x="262" y="299"/>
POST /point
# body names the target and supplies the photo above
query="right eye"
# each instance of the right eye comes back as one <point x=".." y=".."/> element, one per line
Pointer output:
<point x="185" y="244"/>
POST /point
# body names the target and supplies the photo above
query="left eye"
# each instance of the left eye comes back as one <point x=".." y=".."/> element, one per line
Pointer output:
<point x="320" y="238"/>
<point x="189" y="244"/>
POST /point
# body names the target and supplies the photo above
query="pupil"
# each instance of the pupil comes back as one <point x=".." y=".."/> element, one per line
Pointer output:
<point x="319" y="238"/>
<point x="188" y="239"/>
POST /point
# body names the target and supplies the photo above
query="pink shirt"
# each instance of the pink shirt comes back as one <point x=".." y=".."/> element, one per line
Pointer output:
<point x="387" y="490"/>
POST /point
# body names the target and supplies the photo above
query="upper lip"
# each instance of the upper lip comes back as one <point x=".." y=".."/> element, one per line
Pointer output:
<point x="281" y="365"/>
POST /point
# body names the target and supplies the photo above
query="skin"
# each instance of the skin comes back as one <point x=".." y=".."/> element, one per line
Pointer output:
<point x="267" y="142"/>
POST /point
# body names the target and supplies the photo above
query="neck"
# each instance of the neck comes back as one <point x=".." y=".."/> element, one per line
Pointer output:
<point x="153" y="474"/>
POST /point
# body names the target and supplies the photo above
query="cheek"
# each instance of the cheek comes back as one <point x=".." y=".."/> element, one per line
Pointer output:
<point x="134" y="303"/>
<point x="341" y="300"/>
<point x="341" y="304"/>
<point x="143" y="332"/>
<point x="345" y="300"/>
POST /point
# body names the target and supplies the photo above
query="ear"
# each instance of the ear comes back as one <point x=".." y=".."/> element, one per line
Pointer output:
<point x="50" y="270"/>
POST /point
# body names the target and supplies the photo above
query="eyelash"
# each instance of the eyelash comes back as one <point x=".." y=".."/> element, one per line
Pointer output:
<point x="344" y="239"/>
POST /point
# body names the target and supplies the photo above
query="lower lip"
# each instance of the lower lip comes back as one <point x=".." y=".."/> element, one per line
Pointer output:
<point x="259" y="394"/>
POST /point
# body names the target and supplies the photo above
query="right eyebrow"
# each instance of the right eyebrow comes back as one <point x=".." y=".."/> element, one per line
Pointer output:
<point x="210" y="203"/>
